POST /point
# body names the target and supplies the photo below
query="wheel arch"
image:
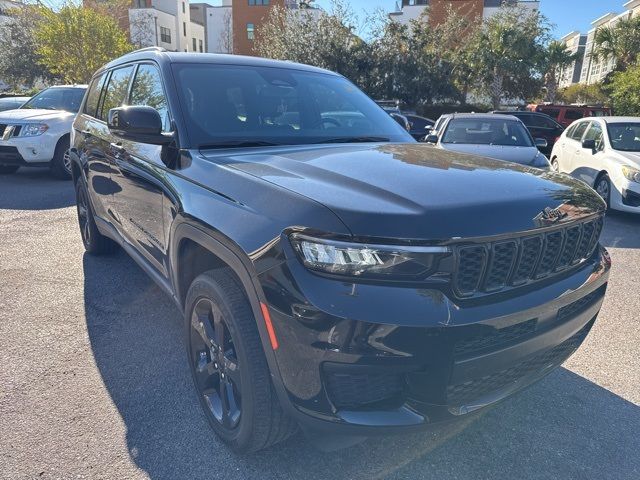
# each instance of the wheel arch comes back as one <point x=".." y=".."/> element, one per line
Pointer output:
<point x="66" y="136"/>
<point x="194" y="251"/>
<point x="220" y="253"/>
<point x="599" y="175"/>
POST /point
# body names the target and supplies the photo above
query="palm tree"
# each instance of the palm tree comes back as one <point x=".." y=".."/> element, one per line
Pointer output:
<point x="558" y="58"/>
<point x="620" y="42"/>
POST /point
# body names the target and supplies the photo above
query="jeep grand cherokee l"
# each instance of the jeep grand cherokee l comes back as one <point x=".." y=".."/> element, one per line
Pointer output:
<point x="333" y="273"/>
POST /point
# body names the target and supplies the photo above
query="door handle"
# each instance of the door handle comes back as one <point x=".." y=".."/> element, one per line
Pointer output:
<point x="117" y="148"/>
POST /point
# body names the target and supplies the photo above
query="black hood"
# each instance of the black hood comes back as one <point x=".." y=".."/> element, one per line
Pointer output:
<point x="412" y="191"/>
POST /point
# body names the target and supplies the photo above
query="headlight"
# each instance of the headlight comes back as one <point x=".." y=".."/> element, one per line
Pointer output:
<point x="33" y="129"/>
<point x="365" y="260"/>
<point x="631" y="174"/>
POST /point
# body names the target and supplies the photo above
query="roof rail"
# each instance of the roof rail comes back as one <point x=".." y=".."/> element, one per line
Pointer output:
<point x="148" y="49"/>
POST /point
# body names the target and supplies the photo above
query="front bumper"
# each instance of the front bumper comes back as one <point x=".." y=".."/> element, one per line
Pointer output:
<point x="625" y="195"/>
<point x="361" y="359"/>
<point x="28" y="150"/>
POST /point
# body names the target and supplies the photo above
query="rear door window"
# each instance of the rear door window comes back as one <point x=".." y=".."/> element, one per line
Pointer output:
<point x="418" y="123"/>
<point x="579" y="131"/>
<point x="539" y="121"/>
<point x="93" y="96"/>
<point x="552" y="112"/>
<point x="117" y="89"/>
<point x="572" y="114"/>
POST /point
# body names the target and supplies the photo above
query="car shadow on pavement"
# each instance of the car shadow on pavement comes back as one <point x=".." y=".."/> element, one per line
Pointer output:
<point x="564" y="427"/>
<point x="23" y="191"/>
<point x="621" y="230"/>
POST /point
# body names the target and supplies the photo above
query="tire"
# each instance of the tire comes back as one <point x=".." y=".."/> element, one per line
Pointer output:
<point x="233" y="383"/>
<point x="61" y="163"/>
<point x="94" y="242"/>
<point x="603" y="187"/>
<point x="555" y="166"/>
<point x="8" y="169"/>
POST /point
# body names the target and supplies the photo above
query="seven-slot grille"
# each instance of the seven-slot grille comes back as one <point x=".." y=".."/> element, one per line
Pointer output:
<point x="493" y="266"/>
<point x="15" y="133"/>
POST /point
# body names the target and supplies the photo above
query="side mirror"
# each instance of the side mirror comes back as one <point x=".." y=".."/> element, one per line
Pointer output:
<point x="431" y="138"/>
<point x="401" y="120"/>
<point x="138" y="124"/>
<point x="589" y="144"/>
<point x="541" y="143"/>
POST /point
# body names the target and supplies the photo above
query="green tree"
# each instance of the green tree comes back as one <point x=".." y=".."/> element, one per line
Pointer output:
<point x="624" y="89"/>
<point x="583" y="94"/>
<point x="20" y="64"/>
<point x="558" y="58"/>
<point x="75" y="41"/>
<point x="323" y="39"/>
<point x="509" y="53"/>
<point x="620" y="42"/>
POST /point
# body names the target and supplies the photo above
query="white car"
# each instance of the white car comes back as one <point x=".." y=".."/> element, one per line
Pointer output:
<point x="604" y="152"/>
<point x="37" y="134"/>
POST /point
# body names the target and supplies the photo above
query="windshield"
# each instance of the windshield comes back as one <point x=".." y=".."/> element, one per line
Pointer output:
<point x="625" y="136"/>
<point x="487" y="131"/>
<point x="67" y="99"/>
<point x="228" y="106"/>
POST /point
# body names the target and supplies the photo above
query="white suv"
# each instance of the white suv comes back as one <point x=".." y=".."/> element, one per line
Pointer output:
<point x="37" y="134"/>
<point x="605" y="153"/>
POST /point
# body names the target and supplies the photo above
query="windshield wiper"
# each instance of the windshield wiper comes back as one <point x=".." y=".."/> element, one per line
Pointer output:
<point x="238" y="144"/>
<point x="354" y="140"/>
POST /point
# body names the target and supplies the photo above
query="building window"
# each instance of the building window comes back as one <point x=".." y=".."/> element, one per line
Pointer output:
<point x="258" y="2"/>
<point x="200" y="46"/>
<point x="193" y="43"/>
<point x="250" y="31"/>
<point x="183" y="8"/>
<point x="141" y="3"/>
<point x="165" y="35"/>
<point x="184" y="28"/>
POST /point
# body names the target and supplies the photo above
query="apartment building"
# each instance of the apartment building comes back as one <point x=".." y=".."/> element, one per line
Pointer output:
<point x="594" y="70"/>
<point x="576" y="43"/>
<point x="474" y="10"/>
<point x="231" y="25"/>
<point x="165" y="23"/>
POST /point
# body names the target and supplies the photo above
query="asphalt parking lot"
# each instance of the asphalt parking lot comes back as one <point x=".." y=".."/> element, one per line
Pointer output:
<point x="94" y="380"/>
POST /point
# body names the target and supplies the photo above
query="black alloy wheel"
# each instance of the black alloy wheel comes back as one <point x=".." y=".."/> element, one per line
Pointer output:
<point x="82" y="206"/>
<point x="603" y="187"/>
<point x="215" y="364"/>
<point x="229" y="367"/>
<point x="94" y="242"/>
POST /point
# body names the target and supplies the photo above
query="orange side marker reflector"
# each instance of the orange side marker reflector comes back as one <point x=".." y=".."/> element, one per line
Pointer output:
<point x="270" y="330"/>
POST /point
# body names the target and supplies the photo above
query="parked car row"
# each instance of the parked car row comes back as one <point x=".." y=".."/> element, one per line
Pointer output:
<point x="417" y="126"/>
<point x="334" y="273"/>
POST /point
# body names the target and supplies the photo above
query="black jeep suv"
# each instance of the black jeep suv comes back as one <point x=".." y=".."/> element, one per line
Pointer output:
<point x="333" y="273"/>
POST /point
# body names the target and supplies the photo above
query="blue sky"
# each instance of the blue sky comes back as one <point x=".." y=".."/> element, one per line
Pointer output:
<point x="568" y="15"/>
